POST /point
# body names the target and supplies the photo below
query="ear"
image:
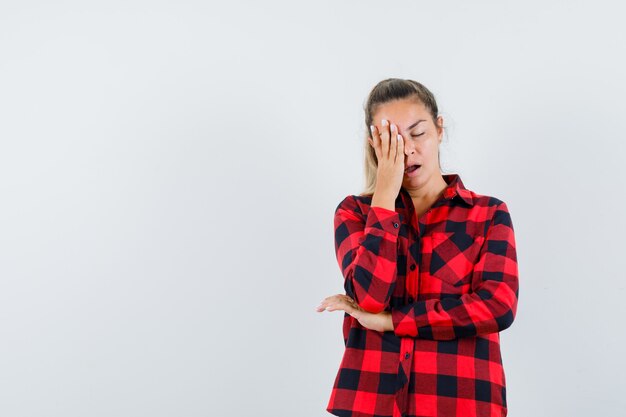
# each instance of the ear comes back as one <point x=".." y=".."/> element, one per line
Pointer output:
<point x="440" y="127"/>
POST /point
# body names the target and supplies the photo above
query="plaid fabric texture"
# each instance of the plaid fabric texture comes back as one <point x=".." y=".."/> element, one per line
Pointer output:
<point x="450" y="281"/>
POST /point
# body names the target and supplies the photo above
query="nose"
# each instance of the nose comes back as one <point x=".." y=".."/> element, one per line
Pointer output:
<point x="409" y="147"/>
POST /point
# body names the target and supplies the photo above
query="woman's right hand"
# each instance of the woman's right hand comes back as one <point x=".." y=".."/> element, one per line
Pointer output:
<point x="389" y="148"/>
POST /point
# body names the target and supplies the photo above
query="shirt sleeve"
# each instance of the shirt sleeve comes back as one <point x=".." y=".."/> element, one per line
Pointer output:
<point x="489" y="308"/>
<point x="366" y="250"/>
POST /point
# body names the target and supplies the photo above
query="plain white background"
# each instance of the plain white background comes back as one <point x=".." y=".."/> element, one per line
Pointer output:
<point x="169" y="172"/>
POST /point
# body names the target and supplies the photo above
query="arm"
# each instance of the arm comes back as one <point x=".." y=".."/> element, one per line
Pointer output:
<point x="366" y="250"/>
<point x="489" y="308"/>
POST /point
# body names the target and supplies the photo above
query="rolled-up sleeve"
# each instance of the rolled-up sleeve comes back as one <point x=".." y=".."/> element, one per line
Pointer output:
<point x="366" y="250"/>
<point x="490" y="307"/>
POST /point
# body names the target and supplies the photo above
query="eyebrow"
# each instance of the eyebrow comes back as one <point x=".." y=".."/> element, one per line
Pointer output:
<point x="415" y="124"/>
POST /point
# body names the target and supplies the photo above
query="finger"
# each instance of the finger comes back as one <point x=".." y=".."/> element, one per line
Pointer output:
<point x="325" y="307"/>
<point x="400" y="150"/>
<point x="323" y="304"/>
<point x="337" y="304"/>
<point x="348" y="307"/>
<point x="326" y="302"/>
<point x="384" y="138"/>
<point x="332" y="307"/>
<point x="393" y="142"/>
<point x="375" y="140"/>
<point x="373" y="134"/>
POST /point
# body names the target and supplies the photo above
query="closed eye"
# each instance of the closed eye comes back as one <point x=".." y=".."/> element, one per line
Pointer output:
<point x="414" y="136"/>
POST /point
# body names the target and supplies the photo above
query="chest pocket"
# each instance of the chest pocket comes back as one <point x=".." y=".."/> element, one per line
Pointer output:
<point x="453" y="257"/>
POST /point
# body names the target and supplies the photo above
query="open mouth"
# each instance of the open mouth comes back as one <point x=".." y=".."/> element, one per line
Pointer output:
<point x="411" y="169"/>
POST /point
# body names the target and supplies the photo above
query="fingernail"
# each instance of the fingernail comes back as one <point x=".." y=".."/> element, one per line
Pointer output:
<point x="372" y="128"/>
<point x="384" y="122"/>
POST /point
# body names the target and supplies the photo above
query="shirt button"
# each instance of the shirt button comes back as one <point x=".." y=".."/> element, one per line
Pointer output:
<point x="395" y="225"/>
<point x="407" y="355"/>
<point x="412" y="267"/>
<point x="410" y="300"/>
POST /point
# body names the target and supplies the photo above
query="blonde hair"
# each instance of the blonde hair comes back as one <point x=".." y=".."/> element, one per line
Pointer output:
<point x="383" y="92"/>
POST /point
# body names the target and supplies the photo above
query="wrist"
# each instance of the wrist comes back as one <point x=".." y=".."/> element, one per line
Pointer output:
<point x="383" y="200"/>
<point x="389" y="322"/>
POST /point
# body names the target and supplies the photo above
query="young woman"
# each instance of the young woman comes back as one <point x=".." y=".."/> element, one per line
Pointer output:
<point x="430" y="275"/>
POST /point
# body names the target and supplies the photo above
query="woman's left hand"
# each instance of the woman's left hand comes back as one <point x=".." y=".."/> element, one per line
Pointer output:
<point x="380" y="322"/>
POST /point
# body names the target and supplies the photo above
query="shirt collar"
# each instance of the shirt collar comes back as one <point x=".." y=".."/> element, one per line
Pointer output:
<point x="455" y="188"/>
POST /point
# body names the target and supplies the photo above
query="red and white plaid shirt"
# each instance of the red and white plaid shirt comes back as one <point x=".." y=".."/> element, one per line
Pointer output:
<point x="450" y="281"/>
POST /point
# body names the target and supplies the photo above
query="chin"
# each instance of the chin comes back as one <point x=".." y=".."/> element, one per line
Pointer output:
<point x="420" y="179"/>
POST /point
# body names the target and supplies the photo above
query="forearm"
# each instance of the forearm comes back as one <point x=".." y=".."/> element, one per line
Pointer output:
<point x="490" y="306"/>
<point x="489" y="311"/>
<point x="366" y="249"/>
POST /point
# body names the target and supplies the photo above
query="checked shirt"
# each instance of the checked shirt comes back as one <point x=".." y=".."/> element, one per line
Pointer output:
<point x="450" y="280"/>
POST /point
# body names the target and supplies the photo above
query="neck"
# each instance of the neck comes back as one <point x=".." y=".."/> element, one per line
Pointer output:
<point x="429" y="193"/>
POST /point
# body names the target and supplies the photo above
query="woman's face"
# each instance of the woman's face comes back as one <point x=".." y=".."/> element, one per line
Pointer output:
<point x="421" y="139"/>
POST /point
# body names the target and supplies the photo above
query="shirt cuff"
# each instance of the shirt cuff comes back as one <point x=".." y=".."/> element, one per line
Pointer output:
<point x="403" y="322"/>
<point x="383" y="219"/>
